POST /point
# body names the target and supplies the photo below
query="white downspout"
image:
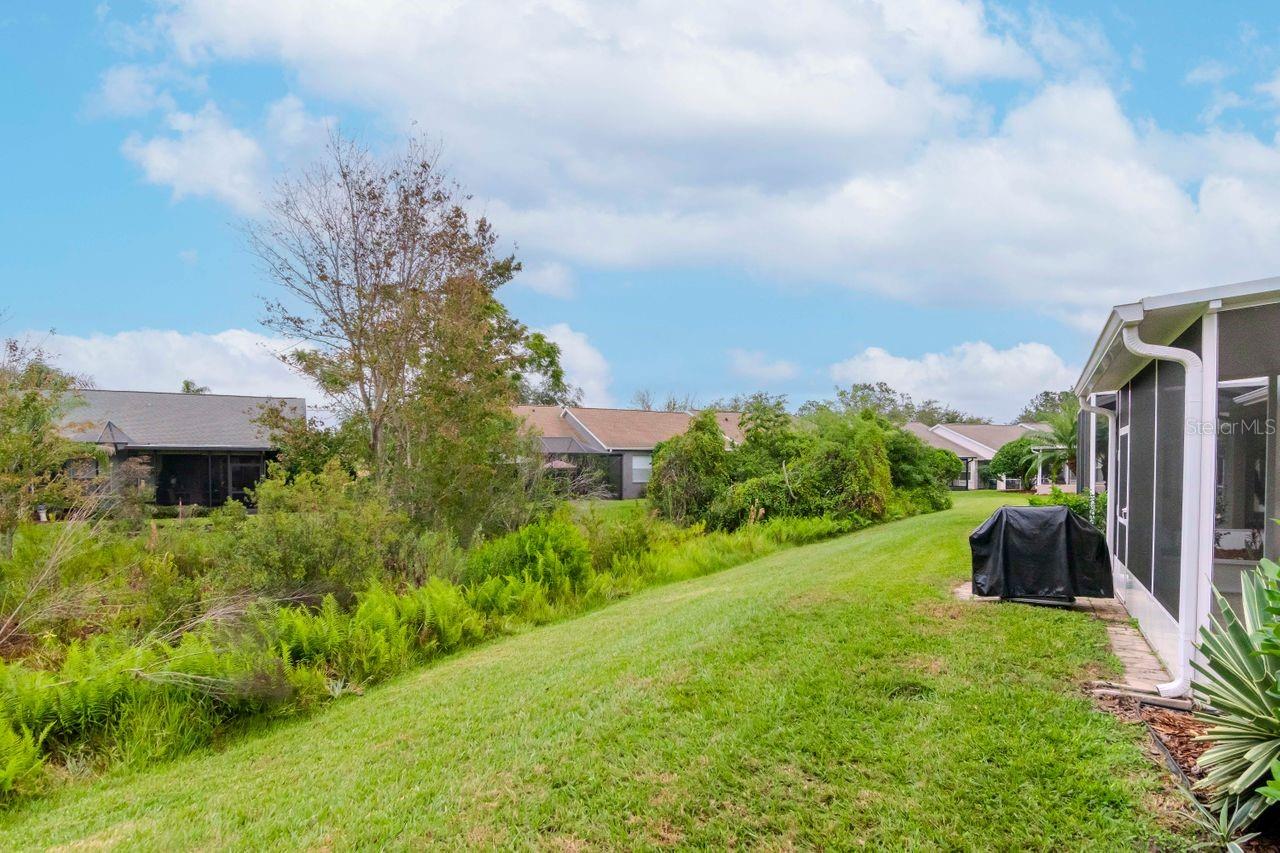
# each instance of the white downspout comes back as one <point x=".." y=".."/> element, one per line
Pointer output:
<point x="1086" y="406"/>
<point x="1193" y="450"/>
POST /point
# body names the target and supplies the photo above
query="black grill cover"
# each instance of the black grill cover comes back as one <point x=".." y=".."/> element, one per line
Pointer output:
<point x="1039" y="552"/>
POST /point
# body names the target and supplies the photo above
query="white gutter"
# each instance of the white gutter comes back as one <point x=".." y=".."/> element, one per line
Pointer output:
<point x="1086" y="406"/>
<point x="1193" y="452"/>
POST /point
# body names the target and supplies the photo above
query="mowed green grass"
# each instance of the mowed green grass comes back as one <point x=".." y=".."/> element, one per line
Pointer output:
<point x="832" y="695"/>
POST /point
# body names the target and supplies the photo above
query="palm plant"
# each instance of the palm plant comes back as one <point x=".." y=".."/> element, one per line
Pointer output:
<point x="1056" y="446"/>
<point x="1239" y="682"/>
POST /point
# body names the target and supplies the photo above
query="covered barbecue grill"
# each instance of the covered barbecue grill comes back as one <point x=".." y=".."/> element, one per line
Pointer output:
<point x="1039" y="553"/>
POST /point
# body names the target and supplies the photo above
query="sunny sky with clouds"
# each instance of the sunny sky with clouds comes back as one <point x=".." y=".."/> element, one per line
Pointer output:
<point x="709" y="198"/>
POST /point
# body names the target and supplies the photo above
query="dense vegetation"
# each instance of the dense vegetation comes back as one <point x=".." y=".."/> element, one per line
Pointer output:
<point x="124" y="649"/>
<point x="419" y="523"/>
<point x="832" y="696"/>
<point x="1092" y="507"/>
<point x="855" y="466"/>
<point x="1240" y="672"/>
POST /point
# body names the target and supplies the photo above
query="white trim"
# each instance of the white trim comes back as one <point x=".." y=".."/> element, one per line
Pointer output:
<point x="963" y="441"/>
<point x="568" y="414"/>
<point x="1208" y="470"/>
<point x="1245" y="294"/>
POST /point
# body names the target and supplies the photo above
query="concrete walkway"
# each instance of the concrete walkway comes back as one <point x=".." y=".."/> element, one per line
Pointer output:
<point x="1142" y="669"/>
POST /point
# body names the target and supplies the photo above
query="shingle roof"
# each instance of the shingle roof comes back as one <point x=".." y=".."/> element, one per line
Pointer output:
<point x="630" y="429"/>
<point x="618" y="429"/>
<point x="931" y="438"/>
<point x="548" y="420"/>
<point x="156" y="419"/>
<point x="993" y="436"/>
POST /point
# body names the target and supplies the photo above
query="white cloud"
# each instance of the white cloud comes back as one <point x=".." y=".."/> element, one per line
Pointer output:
<point x="1210" y="72"/>
<point x="188" y="256"/>
<point x="128" y="90"/>
<point x="1068" y="43"/>
<point x="205" y="156"/>
<point x="294" y="131"/>
<point x="1271" y="88"/>
<point x="1220" y="103"/>
<point x="239" y="361"/>
<point x="974" y="377"/>
<point x="755" y="365"/>
<point x="813" y="140"/>
<point x="236" y="361"/>
<point x="550" y="279"/>
<point x="584" y="365"/>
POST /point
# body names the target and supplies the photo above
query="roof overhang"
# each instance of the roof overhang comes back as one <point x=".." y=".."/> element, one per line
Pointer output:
<point x="1159" y="320"/>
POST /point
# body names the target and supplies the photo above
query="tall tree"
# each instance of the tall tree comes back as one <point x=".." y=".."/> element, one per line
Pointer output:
<point x="35" y="400"/>
<point x="1046" y="403"/>
<point x="191" y="387"/>
<point x="379" y="265"/>
<point x="645" y="400"/>
<point x="896" y="406"/>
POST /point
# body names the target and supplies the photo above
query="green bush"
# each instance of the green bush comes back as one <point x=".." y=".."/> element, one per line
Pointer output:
<point x="552" y="552"/>
<point x="1013" y="458"/>
<point x="1093" y="511"/>
<point x="690" y="471"/>
<point x="172" y="658"/>
<point x="317" y="533"/>
<point x="20" y="758"/>
<point x="1239" y="672"/>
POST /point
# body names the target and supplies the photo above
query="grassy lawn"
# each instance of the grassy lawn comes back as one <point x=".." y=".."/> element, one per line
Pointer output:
<point x="832" y="695"/>
<point x="611" y="509"/>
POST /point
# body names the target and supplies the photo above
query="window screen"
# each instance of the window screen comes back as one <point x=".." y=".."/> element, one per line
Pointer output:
<point x="1142" y="458"/>
<point x="1248" y="345"/>
<point x="1170" y="438"/>
<point x="641" y="468"/>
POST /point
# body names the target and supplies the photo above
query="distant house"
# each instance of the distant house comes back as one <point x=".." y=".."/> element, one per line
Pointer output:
<point x="617" y="442"/>
<point x="199" y="448"/>
<point x="976" y="444"/>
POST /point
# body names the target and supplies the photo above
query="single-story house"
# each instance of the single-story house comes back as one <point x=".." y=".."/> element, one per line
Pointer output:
<point x="617" y="442"/>
<point x="976" y="445"/>
<point x="197" y="448"/>
<point x="1187" y="384"/>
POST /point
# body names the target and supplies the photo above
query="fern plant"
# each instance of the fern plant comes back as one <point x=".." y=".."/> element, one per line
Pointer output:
<point x="20" y="757"/>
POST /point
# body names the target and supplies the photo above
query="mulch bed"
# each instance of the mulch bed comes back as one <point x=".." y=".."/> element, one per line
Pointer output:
<point x="1176" y="731"/>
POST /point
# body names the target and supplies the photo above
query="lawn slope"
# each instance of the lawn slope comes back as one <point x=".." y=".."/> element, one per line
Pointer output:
<point x="827" y="695"/>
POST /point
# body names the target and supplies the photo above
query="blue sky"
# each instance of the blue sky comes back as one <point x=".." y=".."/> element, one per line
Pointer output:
<point x="936" y="193"/>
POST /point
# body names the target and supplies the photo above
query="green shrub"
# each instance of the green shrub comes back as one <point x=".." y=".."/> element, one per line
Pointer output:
<point x="1093" y="511"/>
<point x="20" y="758"/>
<point x="317" y="533"/>
<point x="185" y="511"/>
<point x="618" y="537"/>
<point x="1239" y="678"/>
<point x="552" y="552"/>
<point x="690" y="471"/>
<point x="1013" y="458"/>
<point x="130" y="696"/>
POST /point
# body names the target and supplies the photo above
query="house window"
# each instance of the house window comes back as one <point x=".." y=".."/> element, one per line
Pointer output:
<point x="641" y="467"/>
